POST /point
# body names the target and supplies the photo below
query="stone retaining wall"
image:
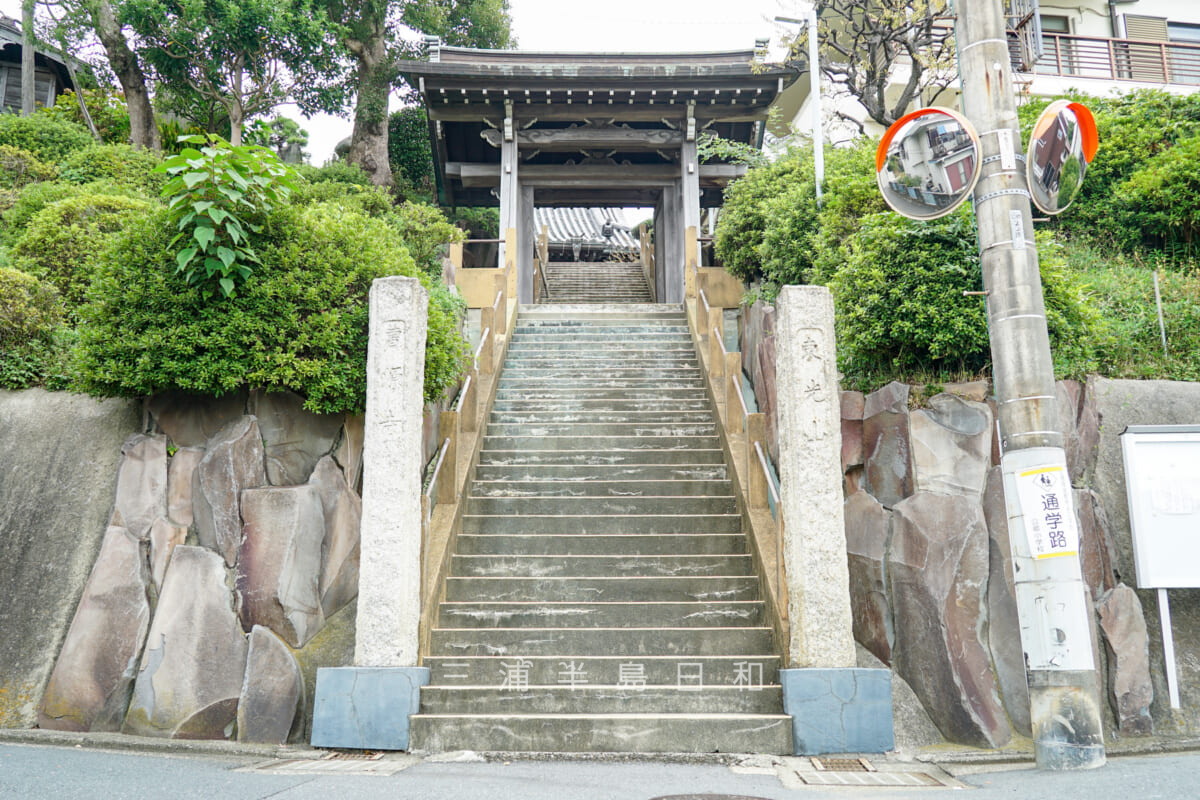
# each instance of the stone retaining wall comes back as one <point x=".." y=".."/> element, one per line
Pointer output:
<point x="927" y="544"/>
<point x="222" y="541"/>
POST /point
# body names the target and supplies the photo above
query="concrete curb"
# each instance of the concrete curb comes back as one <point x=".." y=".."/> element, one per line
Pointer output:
<point x="142" y="744"/>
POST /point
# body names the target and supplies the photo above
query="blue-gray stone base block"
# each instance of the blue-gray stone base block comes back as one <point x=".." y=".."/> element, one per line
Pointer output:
<point x="839" y="710"/>
<point x="366" y="708"/>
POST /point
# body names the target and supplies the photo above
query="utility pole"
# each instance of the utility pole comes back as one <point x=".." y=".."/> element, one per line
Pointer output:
<point x="28" y="42"/>
<point x="1054" y="612"/>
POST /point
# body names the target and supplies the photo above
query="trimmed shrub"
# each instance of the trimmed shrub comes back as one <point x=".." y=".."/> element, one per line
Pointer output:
<point x="425" y="231"/>
<point x="899" y="300"/>
<point x="30" y="314"/>
<point x="49" y="139"/>
<point x="901" y="309"/>
<point x="19" y="168"/>
<point x="334" y="172"/>
<point x="374" y="201"/>
<point x="33" y="198"/>
<point x="744" y="218"/>
<point x="62" y="243"/>
<point x="299" y="323"/>
<point x="118" y="163"/>
<point x="107" y="108"/>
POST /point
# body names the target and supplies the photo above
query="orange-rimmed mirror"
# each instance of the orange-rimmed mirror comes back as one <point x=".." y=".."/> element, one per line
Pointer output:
<point x="927" y="163"/>
<point x="1062" y="145"/>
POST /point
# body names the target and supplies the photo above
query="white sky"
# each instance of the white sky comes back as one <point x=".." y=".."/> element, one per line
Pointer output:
<point x="609" y="25"/>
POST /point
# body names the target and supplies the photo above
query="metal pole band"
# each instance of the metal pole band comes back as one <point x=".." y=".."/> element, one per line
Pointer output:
<point x="1001" y="193"/>
<point x="964" y="49"/>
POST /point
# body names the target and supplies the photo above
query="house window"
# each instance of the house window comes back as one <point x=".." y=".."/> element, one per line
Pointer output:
<point x="1185" y="58"/>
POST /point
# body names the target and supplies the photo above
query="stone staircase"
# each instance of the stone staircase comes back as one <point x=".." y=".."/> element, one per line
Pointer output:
<point x="595" y="282"/>
<point x="601" y="596"/>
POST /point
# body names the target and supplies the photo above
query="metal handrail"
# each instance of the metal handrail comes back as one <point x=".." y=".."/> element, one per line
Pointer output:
<point x="741" y="400"/>
<point x="483" y="241"/>
<point x="704" y="299"/>
<point x="433" y="480"/>
<point x="482" y="341"/>
<point x="762" y="462"/>
<point x="720" y="339"/>
<point x="462" y="395"/>
<point x="496" y="302"/>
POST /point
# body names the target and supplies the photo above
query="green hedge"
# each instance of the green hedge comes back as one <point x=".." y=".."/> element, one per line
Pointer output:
<point x="50" y="139"/>
<point x="63" y="242"/>
<point x="299" y="323"/>
<point x="118" y="163"/>
<point x="30" y="316"/>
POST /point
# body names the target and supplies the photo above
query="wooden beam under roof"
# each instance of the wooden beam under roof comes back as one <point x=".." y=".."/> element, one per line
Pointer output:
<point x="474" y="175"/>
<point x="592" y="138"/>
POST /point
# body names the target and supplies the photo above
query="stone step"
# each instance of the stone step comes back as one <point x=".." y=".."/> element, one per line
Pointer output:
<point x="587" y="697"/>
<point x="592" y="733"/>
<point x="605" y="376"/>
<point x="603" y="590"/>
<point x="583" y="566"/>
<point x="580" y="474"/>
<point x="668" y="544"/>
<point x="609" y="523"/>
<point x="616" y="430"/>
<point x="598" y="351"/>
<point x="539" y="417"/>
<point x="607" y="360"/>
<point x="601" y="386"/>
<point x="522" y="508"/>
<point x="495" y="456"/>
<point x="585" y="642"/>
<point x="618" y="488"/>
<point x="563" y="332"/>
<point x="546" y="614"/>
<point x="659" y="395"/>
<point x="610" y="670"/>
<point x="575" y="337"/>
<point x="661" y="405"/>
<point x="564" y="443"/>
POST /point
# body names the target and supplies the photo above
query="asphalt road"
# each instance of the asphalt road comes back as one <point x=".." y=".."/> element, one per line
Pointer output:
<point x="35" y="771"/>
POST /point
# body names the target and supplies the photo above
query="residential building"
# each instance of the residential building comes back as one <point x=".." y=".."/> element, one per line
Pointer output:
<point x="1098" y="47"/>
<point x="52" y="77"/>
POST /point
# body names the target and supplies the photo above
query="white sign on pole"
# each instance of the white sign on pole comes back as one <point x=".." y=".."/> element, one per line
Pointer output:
<point x="1047" y="505"/>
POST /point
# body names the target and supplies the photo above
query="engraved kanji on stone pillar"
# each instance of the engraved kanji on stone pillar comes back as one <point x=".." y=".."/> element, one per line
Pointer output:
<point x="810" y="473"/>
<point x="389" y="599"/>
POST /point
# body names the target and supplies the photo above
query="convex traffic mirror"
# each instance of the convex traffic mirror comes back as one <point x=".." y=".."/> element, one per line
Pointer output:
<point x="1062" y="144"/>
<point x="927" y="163"/>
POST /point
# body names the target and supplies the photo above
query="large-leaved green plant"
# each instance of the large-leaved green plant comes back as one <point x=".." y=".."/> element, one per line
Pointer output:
<point x="218" y="195"/>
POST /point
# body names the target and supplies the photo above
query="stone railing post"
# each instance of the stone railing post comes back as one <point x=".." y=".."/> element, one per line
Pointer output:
<point x="835" y="707"/>
<point x="367" y="706"/>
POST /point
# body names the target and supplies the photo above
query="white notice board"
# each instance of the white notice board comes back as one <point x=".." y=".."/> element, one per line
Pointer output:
<point x="1162" y="479"/>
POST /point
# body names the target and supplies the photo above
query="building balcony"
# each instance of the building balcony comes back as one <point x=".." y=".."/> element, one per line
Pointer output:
<point x="1119" y="60"/>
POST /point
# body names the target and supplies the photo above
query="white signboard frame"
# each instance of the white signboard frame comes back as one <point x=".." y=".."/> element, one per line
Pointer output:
<point x="1162" y="484"/>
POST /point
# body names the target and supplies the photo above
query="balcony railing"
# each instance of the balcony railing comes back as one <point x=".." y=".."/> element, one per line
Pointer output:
<point x="1119" y="59"/>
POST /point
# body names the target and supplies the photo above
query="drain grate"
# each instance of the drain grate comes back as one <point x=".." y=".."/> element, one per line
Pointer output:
<point x="863" y="778"/>
<point x="336" y="763"/>
<point x="842" y="764"/>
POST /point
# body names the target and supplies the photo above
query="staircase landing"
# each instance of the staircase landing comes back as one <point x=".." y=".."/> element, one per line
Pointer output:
<point x="595" y="282"/>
